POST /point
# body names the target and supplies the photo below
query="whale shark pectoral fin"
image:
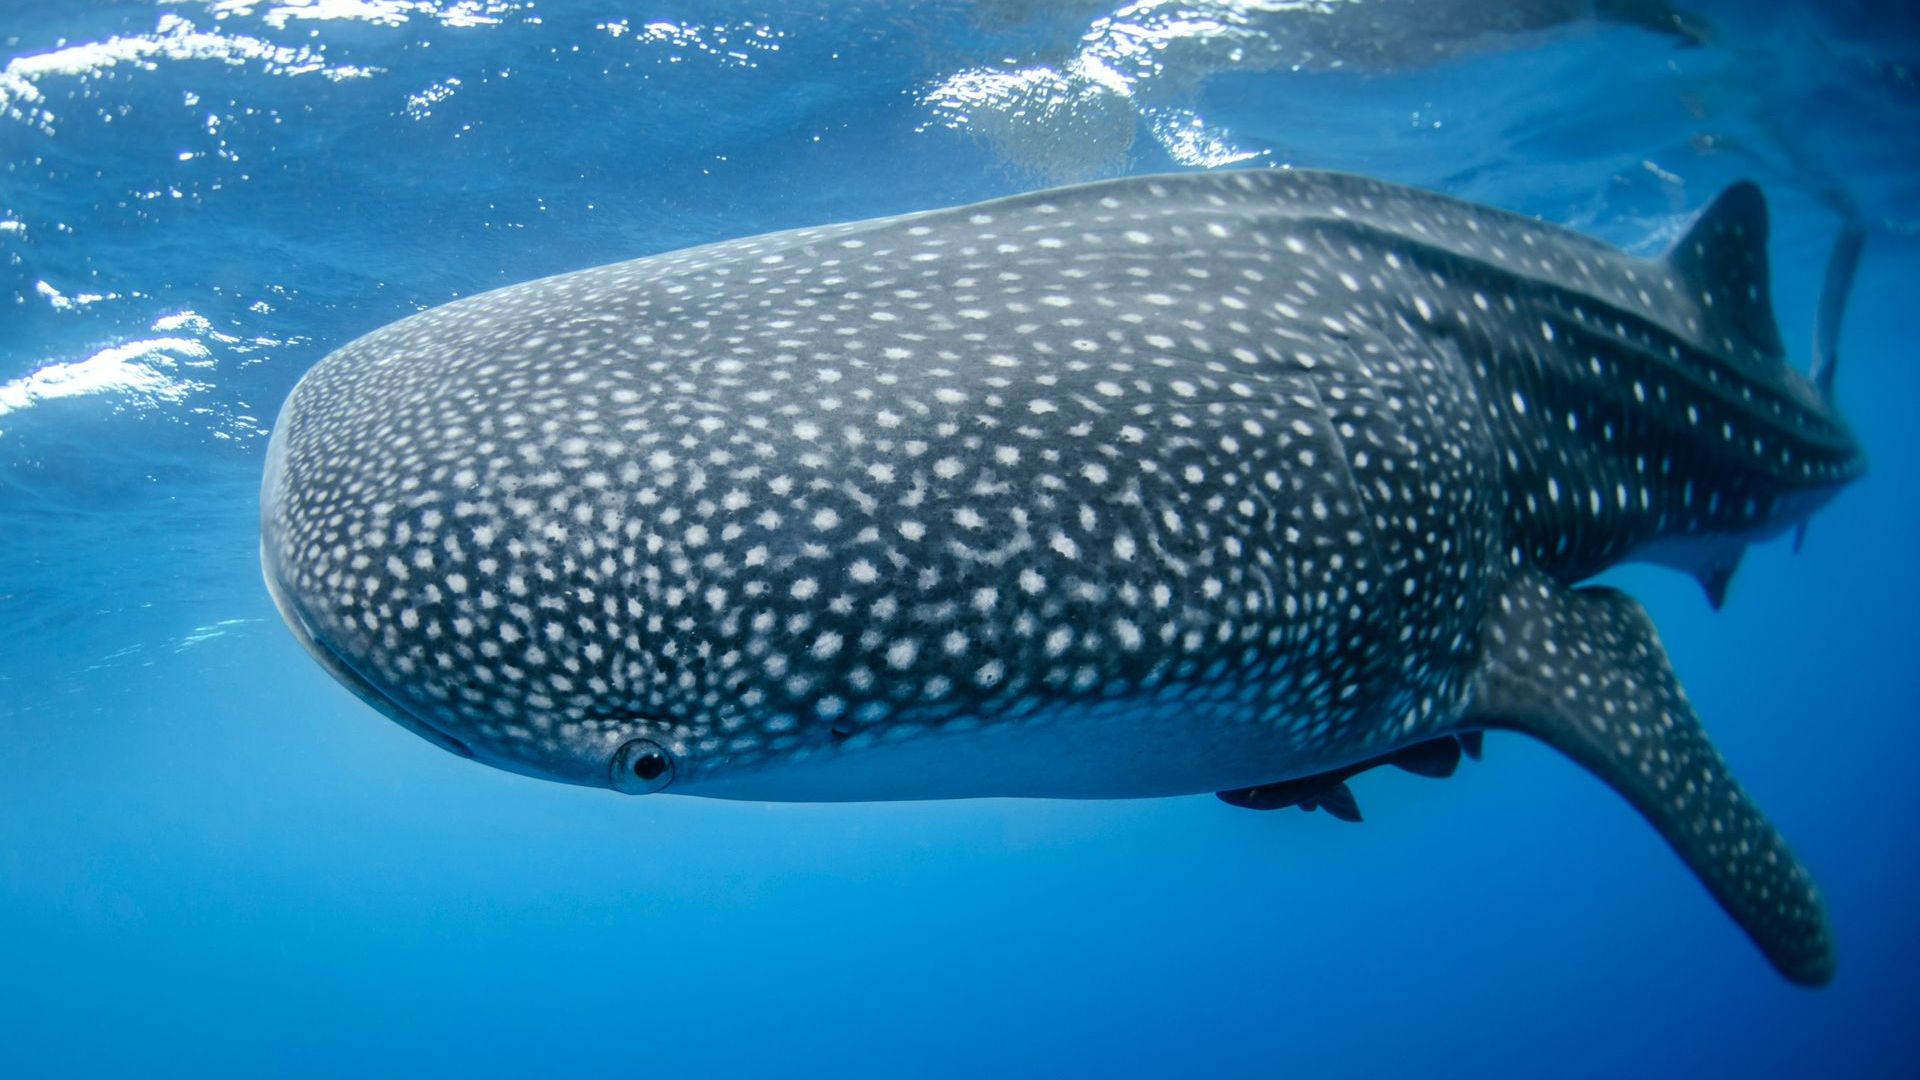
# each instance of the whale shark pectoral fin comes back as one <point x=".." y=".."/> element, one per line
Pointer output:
<point x="1584" y="671"/>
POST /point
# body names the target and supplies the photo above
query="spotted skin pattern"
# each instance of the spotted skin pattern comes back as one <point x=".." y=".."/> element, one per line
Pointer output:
<point x="1147" y="487"/>
<point x="1554" y="653"/>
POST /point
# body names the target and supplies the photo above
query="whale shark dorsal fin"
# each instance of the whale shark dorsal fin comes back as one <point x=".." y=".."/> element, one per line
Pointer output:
<point x="1583" y="671"/>
<point x="1721" y="268"/>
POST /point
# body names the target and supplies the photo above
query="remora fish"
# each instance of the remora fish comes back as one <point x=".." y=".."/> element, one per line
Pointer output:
<point x="1221" y="482"/>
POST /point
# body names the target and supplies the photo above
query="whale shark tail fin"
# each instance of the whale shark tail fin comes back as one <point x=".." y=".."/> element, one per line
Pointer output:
<point x="1584" y="671"/>
<point x="1841" y="264"/>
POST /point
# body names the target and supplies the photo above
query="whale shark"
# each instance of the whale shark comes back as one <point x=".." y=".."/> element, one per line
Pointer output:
<point x="1237" y="482"/>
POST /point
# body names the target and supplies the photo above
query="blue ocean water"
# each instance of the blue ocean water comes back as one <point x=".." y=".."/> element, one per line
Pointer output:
<point x="215" y="861"/>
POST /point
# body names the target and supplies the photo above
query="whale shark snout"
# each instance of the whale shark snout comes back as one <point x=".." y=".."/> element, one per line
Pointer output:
<point x="337" y="666"/>
<point x="334" y="623"/>
<point x="276" y="560"/>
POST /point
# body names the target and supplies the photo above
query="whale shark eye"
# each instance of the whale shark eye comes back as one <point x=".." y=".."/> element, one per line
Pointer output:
<point x="641" y="767"/>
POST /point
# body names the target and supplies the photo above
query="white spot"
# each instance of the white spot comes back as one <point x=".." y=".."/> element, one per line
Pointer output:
<point x="901" y="654"/>
<point x="1057" y="640"/>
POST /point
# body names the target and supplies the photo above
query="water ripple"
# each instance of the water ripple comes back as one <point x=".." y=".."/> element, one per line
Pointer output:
<point x="174" y="38"/>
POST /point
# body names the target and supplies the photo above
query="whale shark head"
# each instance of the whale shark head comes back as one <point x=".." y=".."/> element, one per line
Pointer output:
<point x="336" y="612"/>
<point x="475" y="614"/>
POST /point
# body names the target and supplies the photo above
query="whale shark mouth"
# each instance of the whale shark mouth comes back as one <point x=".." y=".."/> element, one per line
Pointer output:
<point x="340" y="669"/>
<point x="336" y="665"/>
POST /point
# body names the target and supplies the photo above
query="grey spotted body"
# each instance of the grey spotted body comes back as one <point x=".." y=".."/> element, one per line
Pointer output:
<point x="1149" y="487"/>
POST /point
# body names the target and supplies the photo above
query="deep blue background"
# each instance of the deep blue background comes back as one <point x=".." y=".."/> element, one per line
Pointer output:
<point x="215" y="861"/>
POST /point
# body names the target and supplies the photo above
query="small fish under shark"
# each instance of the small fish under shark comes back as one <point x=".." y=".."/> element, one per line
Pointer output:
<point x="1237" y="482"/>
